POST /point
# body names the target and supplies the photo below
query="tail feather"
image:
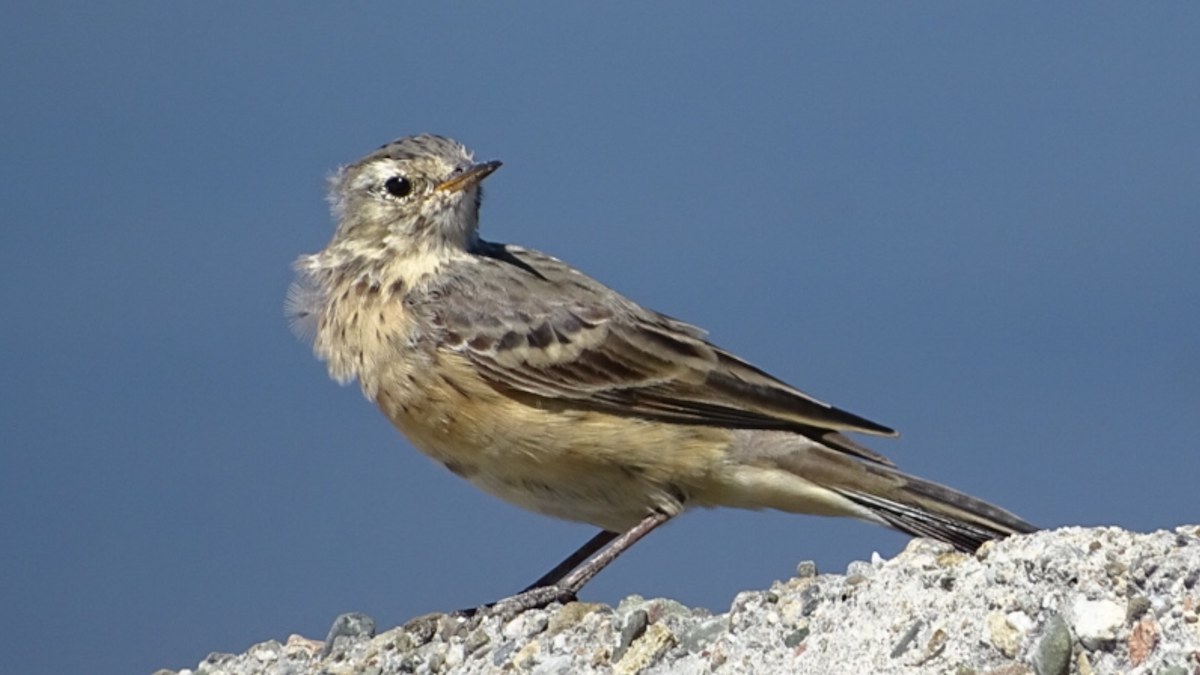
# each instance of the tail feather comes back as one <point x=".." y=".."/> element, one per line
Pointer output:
<point x="825" y="480"/>
<point x="964" y="535"/>
<point x="936" y="511"/>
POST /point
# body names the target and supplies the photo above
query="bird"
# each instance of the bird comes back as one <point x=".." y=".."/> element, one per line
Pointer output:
<point x="548" y="389"/>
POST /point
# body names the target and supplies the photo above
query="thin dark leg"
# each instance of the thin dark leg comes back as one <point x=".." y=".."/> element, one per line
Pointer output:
<point x="565" y="590"/>
<point x="583" y="553"/>
<point x="584" y="574"/>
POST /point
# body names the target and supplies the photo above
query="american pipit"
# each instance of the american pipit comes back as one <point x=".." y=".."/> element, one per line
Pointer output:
<point x="549" y="390"/>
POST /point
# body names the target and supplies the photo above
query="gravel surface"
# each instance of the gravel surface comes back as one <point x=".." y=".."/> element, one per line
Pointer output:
<point x="1075" y="600"/>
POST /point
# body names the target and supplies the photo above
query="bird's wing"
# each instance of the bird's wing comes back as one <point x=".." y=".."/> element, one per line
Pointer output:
<point x="536" y="326"/>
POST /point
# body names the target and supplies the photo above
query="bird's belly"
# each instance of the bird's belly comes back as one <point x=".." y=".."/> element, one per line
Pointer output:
<point x="574" y="464"/>
<point x="601" y="496"/>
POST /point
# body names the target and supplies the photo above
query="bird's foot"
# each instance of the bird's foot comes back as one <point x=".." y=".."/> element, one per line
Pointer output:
<point x="530" y="598"/>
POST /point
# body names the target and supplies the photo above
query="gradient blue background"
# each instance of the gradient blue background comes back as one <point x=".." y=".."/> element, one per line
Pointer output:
<point x="974" y="222"/>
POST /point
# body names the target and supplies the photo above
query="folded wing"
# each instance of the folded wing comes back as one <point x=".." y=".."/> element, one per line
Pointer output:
<point x="541" y="328"/>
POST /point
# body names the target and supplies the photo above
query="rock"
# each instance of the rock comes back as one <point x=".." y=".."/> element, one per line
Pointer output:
<point x="1136" y="607"/>
<point x="1096" y="622"/>
<point x="1053" y="655"/>
<point x="634" y="628"/>
<point x="1016" y="607"/>
<point x="1004" y="634"/>
<point x="705" y="633"/>
<point x="646" y="650"/>
<point x="806" y="569"/>
<point x="350" y="625"/>
<point x="1142" y="641"/>
<point x="906" y="640"/>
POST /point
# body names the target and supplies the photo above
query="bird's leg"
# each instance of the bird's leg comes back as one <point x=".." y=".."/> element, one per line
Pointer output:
<point x="565" y="567"/>
<point x="554" y="587"/>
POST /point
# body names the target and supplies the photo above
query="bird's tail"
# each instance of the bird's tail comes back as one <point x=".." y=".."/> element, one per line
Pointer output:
<point x="790" y="473"/>
<point x="926" y="509"/>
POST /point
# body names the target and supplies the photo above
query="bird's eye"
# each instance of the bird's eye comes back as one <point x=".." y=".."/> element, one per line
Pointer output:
<point x="398" y="186"/>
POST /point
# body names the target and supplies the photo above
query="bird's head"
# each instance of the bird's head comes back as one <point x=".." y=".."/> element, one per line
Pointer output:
<point x="417" y="195"/>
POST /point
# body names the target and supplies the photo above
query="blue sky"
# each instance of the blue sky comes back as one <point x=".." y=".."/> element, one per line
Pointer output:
<point x="974" y="222"/>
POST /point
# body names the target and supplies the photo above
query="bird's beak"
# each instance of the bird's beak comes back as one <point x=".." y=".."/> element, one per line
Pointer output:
<point x="469" y="178"/>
